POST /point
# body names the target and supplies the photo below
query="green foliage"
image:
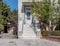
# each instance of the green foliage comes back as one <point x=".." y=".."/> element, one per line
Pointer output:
<point x="11" y="15"/>
<point x="46" y="11"/>
<point x="59" y="2"/>
<point x="3" y="19"/>
<point x="51" y="33"/>
<point x="1" y="27"/>
<point x="15" y="37"/>
<point x="1" y="23"/>
<point x="42" y="10"/>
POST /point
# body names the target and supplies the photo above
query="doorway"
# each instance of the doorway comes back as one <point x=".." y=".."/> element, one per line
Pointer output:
<point x="28" y="12"/>
<point x="28" y="15"/>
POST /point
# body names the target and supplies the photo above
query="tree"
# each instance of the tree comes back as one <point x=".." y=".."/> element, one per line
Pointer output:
<point x="4" y="11"/>
<point x="13" y="16"/>
<point x="58" y="23"/>
<point x="13" y="19"/>
<point x="7" y="16"/>
<point x="1" y="23"/>
<point x="47" y="14"/>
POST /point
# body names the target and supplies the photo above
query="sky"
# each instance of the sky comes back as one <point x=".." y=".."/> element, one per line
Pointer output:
<point x="12" y="3"/>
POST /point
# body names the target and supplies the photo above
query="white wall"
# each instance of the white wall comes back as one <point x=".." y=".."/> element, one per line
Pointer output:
<point x="19" y="16"/>
<point x="29" y="0"/>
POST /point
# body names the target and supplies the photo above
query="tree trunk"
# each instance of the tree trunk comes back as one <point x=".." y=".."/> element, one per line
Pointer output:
<point x="50" y="25"/>
<point x="47" y="28"/>
<point x="42" y="26"/>
<point x="54" y="27"/>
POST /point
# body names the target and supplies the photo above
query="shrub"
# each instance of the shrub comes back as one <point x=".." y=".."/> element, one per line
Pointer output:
<point x="50" y="33"/>
<point x="14" y="36"/>
<point x="1" y="27"/>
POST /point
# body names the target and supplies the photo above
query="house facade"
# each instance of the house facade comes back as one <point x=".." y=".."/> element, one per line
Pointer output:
<point x="24" y="9"/>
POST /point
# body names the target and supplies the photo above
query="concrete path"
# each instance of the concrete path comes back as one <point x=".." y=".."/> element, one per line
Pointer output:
<point x="26" y="42"/>
<point x="28" y="32"/>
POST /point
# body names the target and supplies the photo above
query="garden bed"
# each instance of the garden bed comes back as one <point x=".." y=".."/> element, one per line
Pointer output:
<point x="51" y="35"/>
<point x="52" y="38"/>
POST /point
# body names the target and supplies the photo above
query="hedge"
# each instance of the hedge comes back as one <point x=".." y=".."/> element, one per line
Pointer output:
<point x="50" y="33"/>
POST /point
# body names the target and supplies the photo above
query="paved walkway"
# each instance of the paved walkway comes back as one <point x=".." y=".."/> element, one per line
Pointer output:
<point x="28" y="32"/>
<point x="26" y="42"/>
